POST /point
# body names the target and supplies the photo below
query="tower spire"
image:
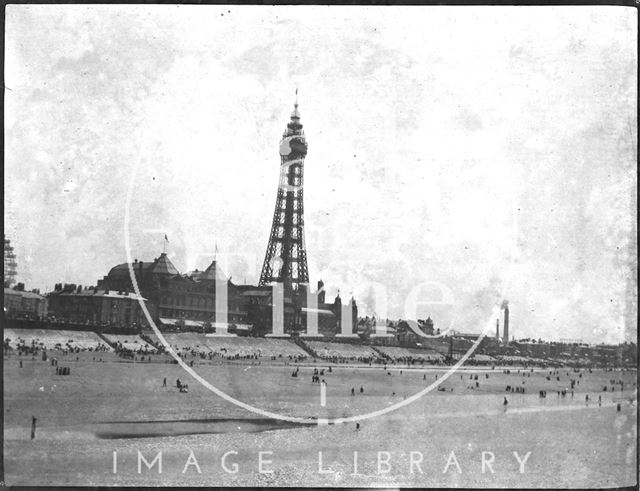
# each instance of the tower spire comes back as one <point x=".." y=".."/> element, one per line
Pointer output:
<point x="295" y="116"/>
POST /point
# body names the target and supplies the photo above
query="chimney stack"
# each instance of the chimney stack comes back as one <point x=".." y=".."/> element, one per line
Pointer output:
<point x="506" y="323"/>
<point x="321" y="292"/>
<point x="497" y="328"/>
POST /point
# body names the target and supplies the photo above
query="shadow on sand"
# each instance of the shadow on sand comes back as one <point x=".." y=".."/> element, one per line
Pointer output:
<point x="149" y="429"/>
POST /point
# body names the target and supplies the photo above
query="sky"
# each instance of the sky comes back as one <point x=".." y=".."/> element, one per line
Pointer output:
<point x="458" y="156"/>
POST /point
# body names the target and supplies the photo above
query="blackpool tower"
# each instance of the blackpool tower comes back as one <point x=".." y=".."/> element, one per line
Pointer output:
<point x="286" y="258"/>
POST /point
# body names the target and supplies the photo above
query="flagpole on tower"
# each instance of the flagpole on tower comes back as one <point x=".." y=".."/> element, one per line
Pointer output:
<point x="164" y="244"/>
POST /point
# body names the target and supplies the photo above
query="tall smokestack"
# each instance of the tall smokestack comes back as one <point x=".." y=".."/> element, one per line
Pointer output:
<point x="321" y="292"/>
<point x="505" y="306"/>
<point x="497" y="328"/>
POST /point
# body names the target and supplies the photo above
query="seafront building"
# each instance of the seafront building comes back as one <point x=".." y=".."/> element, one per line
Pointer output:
<point x="208" y="300"/>
<point x="24" y="304"/>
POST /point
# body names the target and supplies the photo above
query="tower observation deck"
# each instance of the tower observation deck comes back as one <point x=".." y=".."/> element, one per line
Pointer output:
<point x="286" y="258"/>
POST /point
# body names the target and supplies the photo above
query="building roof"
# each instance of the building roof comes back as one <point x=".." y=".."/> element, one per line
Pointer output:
<point x="163" y="265"/>
<point x="117" y="294"/>
<point x="123" y="269"/>
<point x="91" y="292"/>
<point x="160" y="265"/>
<point x="212" y="273"/>
<point x="24" y="294"/>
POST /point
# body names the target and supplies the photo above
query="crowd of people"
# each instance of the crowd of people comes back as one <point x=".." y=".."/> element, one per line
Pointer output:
<point x="129" y="352"/>
<point x="36" y="346"/>
<point x="415" y="360"/>
<point x="223" y="355"/>
<point x="365" y="360"/>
